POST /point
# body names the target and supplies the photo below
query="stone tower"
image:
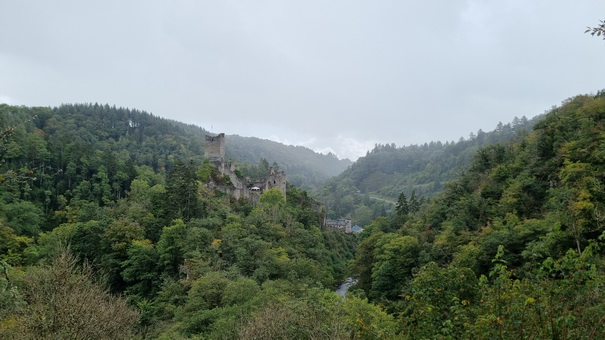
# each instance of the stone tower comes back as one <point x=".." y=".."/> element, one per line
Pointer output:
<point x="214" y="148"/>
<point x="276" y="180"/>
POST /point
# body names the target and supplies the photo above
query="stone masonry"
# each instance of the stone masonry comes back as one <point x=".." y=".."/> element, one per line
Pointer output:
<point x="214" y="150"/>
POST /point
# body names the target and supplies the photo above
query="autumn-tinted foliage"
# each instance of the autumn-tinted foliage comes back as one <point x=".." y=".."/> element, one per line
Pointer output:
<point x="513" y="247"/>
<point x="61" y="301"/>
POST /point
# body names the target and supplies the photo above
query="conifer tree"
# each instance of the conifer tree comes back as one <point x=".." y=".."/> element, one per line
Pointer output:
<point x="402" y="207"/>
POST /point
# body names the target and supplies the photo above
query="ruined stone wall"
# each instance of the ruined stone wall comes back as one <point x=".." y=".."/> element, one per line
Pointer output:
<point x="342" y="225"/>
<point x="275" y="180"/>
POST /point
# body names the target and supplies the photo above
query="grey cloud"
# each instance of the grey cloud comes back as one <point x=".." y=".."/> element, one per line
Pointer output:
<point x="335" y="72"/>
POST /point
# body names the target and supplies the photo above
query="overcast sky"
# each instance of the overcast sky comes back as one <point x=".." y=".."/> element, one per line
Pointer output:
<point x="335" y="76"/>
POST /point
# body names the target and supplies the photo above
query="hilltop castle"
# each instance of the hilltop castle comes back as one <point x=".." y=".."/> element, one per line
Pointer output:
<point x="214" y="150"/>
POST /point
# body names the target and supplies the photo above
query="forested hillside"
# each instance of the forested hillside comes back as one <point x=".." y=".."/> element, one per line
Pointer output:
<point x="304" y="167"/>
<point x="513" y="248"/>
<point x="88" y="135"/>
<point x="109" y="231"/>
<point x="371" y="186"/>
<point x="109" y="248"/>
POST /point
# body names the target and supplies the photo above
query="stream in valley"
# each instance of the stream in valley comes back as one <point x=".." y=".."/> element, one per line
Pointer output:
<point x="344" y="287"/>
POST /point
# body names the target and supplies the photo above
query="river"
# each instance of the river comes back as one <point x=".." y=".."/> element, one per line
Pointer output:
<point x="344" y="287"/>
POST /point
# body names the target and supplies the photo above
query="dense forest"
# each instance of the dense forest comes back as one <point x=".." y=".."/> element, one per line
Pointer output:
<point x="81" y="137"/>
<point x="371" y="186"/>
<point x="513" y="248"/>
<point x="102" y="239"/>
<point x="108" y="230"/>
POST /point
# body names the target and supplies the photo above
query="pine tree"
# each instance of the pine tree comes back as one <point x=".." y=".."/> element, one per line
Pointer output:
<point x="402" y="205"/>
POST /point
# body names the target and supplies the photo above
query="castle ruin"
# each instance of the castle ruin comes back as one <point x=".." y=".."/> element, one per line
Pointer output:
<point x="214" y="150"/>
<point x="343" y="225"/>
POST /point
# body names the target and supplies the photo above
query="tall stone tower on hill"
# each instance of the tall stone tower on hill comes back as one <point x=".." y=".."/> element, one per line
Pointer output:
<point x="214" y="149"/>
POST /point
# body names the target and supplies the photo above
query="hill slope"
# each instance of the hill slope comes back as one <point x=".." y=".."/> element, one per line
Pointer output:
<point x="77" y="132"/>
<point x="513" y="248"/>
<point x="93" y="196"/>
<point x="387" y="171"/>
<point x="304" y="167"/>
